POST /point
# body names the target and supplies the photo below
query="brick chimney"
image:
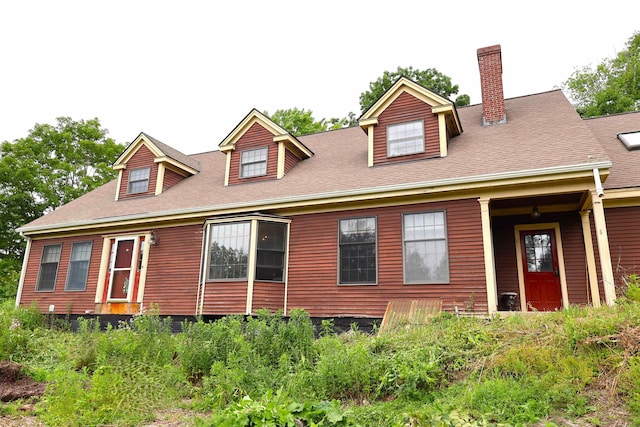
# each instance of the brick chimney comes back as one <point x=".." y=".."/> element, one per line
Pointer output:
<point x="490" y="63"/>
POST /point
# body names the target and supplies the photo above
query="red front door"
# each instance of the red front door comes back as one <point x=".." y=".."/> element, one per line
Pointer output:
<point x="541" y="273"/>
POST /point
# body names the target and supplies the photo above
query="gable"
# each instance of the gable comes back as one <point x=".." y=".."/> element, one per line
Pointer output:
<point x="258" y="149"/>
<point x="256" y="138"/>
<point x="408" y="103"/>
<point x="140" y="160"/>
<point x="147" y="159"/>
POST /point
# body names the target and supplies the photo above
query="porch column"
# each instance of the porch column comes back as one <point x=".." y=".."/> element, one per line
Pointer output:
<point x="591" y="258"/>
<point x="489" y="265"/>
<point x="603" y="249"/>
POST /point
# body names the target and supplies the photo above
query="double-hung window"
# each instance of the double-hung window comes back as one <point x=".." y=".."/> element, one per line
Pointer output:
<point x="426" y="258"/>
<point x="253" y="163"/>
<point x="139" y="180"/>
<point x="405" y="138"/>
<point x="78" y="266"/>
<point x="48" y="268"/>
<point x="235" y="248"/>
<point x="357" y="241"/>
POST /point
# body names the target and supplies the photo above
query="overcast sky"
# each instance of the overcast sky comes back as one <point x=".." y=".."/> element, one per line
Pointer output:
<point x="187" y="72"/>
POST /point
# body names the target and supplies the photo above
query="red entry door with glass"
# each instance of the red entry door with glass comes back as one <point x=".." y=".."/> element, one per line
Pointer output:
<point x="541" y="274"/>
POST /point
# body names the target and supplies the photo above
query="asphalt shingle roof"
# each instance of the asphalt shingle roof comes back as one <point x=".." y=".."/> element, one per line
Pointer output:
<point x="543" y="131"/>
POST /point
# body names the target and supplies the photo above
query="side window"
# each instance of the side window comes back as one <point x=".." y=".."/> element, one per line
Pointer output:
<point x="405" y="138"/>
<point x="426" y="256"/>
<point x="48" y="268"/>
<point x="253" y="163"/>
<point x="357" y="241"/>
<point x="272" y="237"/>
<point x="139" y="180"/>
<point x="78" y="266"/>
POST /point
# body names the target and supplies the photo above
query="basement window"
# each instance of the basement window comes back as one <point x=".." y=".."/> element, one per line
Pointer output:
<point x="631" y="140"/>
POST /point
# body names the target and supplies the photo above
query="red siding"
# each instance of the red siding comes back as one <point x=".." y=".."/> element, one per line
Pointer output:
<point x="268" y="295"/>
<point x="313" y="262"/>
<point x="623" y="229"/>
<point x="290" y="160"/>
<point x="256" y="137"/>
<point x="142" y="158"/>
<point x="173" y="270"/>
<point x="171" y="178"/>
<point x="406" y="108"/>
<point x="225" y="298"/>
<point x="64" y="301"/>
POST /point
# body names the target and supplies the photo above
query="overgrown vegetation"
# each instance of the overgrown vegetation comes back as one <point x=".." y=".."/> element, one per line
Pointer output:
<point x="580" y="365"/>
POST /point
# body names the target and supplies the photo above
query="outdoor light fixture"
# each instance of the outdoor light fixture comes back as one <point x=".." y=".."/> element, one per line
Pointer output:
<point x="154" y="239"/>
<point x="535" y="212"/>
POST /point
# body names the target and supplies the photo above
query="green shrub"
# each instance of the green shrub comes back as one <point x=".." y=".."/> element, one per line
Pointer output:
<point x="280" y="411"/>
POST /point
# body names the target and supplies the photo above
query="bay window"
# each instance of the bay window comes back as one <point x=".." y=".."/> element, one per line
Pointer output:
<point x="251" y="247"/>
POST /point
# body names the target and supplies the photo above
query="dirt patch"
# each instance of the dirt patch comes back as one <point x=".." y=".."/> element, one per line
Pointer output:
<point x="14" y="385"/>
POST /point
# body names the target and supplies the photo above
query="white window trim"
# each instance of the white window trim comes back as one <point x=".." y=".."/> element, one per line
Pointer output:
<point x="446" y="240"/>
<point x="265" y="161"/>
<point x="147" y="179"/>
<point x="389" y="141"/>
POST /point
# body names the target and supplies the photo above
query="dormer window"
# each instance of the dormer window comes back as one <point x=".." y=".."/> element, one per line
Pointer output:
<point x="405" y="138"/>
<point x="253" y="163"/>
<point x="139" y="180"/>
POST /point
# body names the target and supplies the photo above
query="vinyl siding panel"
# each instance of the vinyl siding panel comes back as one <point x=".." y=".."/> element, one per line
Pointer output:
<point x="64" y="301"/>
<point x="225" y="298"/>
<point x="255" y="137"/>
<point x="141" y="159"/>
<point x="406" y="108"/>
<point x="290" y="160"/>
<point x="623" y="229"/>
<point x="313" y="262"/>
<point x="171" y="178"/>
<point x="268" y="295"/>
<point x="173" y="270"/>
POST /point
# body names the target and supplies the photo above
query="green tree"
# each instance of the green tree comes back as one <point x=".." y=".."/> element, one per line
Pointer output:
<point x="51" y="166"/>
<point x="613" y="86"/>
<point x="430" y="78"/>
<point x="301" y="122"/>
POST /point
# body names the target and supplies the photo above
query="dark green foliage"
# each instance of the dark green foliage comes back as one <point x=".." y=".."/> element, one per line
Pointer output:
<point x="280" y="411"/>
<point x="430" y="78"/>
<point x="612" y="87"/>
<point x="298" y="121"/>
<point x="51" y="166"/>
<point x="554" y="368"/>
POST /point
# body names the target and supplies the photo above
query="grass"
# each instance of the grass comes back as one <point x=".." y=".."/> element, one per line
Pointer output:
<point x="579" y="365"/>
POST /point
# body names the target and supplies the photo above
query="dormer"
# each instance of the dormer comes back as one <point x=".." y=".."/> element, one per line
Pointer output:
<point x="148" y="167"/>
<point x="258" y="149"/>
<point x="409" y="122"/>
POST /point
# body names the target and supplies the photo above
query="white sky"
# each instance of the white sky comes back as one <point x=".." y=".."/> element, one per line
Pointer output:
<point x="187" y="72"/>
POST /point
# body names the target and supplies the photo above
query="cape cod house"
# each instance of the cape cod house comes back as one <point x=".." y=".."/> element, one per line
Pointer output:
<point x="517" y="197"/>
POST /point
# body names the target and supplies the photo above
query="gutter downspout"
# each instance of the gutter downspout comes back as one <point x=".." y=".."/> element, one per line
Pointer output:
<point x="23" y="271"/>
